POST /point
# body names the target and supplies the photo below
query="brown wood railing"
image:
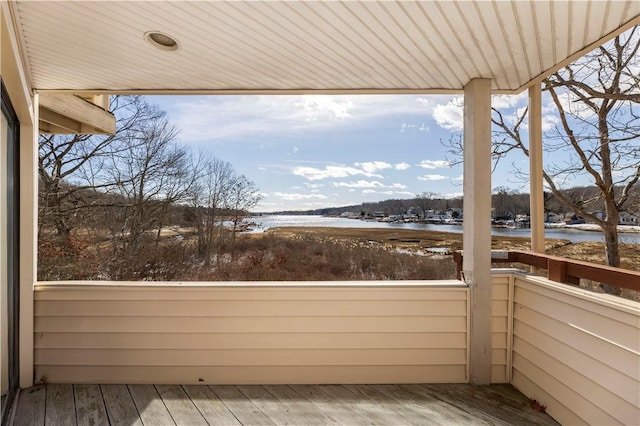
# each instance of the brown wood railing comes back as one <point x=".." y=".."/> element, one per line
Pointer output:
<point x="560" y="269"/>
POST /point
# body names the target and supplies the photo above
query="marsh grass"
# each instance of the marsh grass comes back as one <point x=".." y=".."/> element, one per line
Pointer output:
<point x="257" y="257"/>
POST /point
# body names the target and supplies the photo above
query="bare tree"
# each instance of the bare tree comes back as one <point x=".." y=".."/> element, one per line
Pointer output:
<point x="596" y="136"/>
<point x="209" y="197"/>
<point x="70" y="167"/>
<point x="149" y="173"/>
<point x="243" y="195"/>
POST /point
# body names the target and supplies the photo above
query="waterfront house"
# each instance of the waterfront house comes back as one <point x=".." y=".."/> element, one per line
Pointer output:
<point x="575" y="353"/>
<point x="627" y="218"/>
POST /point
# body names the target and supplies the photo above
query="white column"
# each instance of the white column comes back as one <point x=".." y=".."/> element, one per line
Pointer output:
<point x="477" y="224"/>
<point x="28" y="239"/>
<point x="536" y="189"/>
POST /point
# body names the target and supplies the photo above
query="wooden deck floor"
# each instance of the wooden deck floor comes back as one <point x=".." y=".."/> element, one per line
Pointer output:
<point x="137" y="405"/>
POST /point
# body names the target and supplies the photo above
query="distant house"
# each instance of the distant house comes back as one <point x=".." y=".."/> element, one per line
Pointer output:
<point x="454" y="213"/>
<point x="349" y="214"/>
<point x="551" y="217"/>
<point x="572" y="219"/>
<point x="627" y="218"/>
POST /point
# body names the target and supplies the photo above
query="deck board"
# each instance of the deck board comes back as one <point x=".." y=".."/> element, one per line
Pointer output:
<point x="270" y="405"/>
<point x="242" y="407"/>
<point x="150" y="406"/>
<point x="331" y="405"/>
<point x="121" y="409"/>
<point x="304" y="409"/>
<point x="180" y="406"/>
<point x="90" y="409"/>
<point x="364" y="407"/>
<point x="31" y="406"/>
<point x="212" y="409"/>
<point x="138" y="405"/>
<point x="415" y="410"/>
<point x="60" y="409"/>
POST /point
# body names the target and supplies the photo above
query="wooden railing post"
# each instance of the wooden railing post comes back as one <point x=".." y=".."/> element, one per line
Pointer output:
<point x="556" y="270"/>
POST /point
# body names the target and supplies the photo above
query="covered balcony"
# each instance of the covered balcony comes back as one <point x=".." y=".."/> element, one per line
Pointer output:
<point x="496" y="345"/>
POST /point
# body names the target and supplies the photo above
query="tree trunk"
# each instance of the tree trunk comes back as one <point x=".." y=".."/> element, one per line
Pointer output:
<point x="612" y="253"/>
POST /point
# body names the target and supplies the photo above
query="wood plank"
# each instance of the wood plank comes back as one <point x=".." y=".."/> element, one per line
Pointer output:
<point x="90" y="409"/>
<point x="31" y="406"/>
<point x="304" y="409"/>
<point x="422" y="409"/>
<point x="183" y="411"/>
<point x="330" y="405"/>
<point x="471" y="400"/>
<point x="150" y="406"/>
<point x="210" y="406"/>
<point x="362" y="406"/>
<point x="121" y="409"/>
<point x="271" y="406"/>
<point x="513" y="401"/>
<point x="241" y="406"/>
<point x="409" y="413"/>
<point x="60" y="405"/>
<point x="431" y="396"/>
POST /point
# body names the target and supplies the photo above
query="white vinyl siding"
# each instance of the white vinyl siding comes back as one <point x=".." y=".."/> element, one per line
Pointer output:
<point x="577" y="353"/>
<point x="252" y="334"/>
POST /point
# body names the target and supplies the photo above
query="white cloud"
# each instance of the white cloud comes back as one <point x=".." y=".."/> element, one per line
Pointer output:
<point x="450" y="115"/>
<point x="450" y="195"/>
<point x="434" y="164"/>
<point x="402" y="166"/>
<point x="313" y="173"/>
<point x="208" y="118"/>
<point x="373" y="191"/>
<point x="297" y="196"/>
<point x="405" y="126"/>
<point x="313" y="185"/>
<point x="373" y="166"/>
<point x="360" y="184"/>
<point x="318" y="107"/>
<point x="460" y="178"/>
<point x="509" y="101"/>
<point x="368" y="184"/>
<point x="432" y="177"/>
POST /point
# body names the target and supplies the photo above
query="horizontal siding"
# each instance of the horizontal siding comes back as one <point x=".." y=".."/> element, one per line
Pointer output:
<point x="577" y="353"/>
<point x="186" y="374"/>
<point x="500" y="330"/>
<point x="251" y="334"/>
<point x="248" y="340"/>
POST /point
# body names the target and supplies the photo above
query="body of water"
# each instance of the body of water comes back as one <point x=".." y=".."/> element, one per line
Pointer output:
<point x="574" y="235"/>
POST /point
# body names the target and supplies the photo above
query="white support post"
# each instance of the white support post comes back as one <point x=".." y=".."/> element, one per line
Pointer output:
<point x="477" y="224"/>
<point x="28" y="239"/>
<point x="536" y="189"/>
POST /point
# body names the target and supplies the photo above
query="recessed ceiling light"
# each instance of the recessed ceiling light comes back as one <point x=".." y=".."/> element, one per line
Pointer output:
<point x="161" y="41"/>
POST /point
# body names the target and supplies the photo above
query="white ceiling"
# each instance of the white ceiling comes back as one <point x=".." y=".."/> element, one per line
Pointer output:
<point x="303" y="46"/>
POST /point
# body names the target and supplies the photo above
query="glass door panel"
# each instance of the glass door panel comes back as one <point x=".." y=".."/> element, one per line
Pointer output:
<point x="9" y="285"/>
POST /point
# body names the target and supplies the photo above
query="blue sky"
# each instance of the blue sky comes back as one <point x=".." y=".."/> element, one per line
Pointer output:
<point x="306" y="152"/>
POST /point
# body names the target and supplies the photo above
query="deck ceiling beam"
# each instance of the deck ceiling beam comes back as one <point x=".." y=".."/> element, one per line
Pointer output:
<point x="71" y="114"/>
